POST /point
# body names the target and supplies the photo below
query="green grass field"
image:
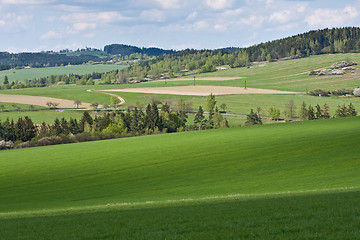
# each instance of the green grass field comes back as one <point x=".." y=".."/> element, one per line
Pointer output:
<point x="296" y="180"/>
<point x="289" y="75"/>
<point x="22" y="74"/>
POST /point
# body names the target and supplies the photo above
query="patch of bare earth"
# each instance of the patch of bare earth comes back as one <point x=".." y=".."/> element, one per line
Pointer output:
<point x="40" y="101"/>
<point x="200" y="90"/>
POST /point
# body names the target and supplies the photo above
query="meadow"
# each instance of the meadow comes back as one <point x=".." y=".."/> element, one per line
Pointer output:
<point x="296" y="180"/>
<point x="22" y="74"/>
<point x="291" y="75"/>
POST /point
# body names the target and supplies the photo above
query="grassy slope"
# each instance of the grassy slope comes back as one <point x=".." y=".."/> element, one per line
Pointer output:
<point x="22" y="74"/>
<point x="333" y="215"/>
<point x="297" y="156"/>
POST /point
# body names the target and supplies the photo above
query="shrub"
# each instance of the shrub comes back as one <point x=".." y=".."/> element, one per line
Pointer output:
<point x="319" y="92"/>
<point x="341" y="92"/>
<point x="6" y="145"/>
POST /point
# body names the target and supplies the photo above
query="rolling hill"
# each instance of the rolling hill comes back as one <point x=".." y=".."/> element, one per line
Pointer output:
<point x="229" y="182"/>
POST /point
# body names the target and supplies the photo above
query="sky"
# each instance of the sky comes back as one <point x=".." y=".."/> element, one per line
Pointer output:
<point x="42" y="25"/>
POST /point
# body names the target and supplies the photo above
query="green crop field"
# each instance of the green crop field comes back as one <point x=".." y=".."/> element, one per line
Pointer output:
<point x="284" y="181"/>
<point x="22" y="74"/>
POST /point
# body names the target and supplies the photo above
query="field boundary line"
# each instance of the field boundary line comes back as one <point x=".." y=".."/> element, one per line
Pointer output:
<point x="235" y="196"/>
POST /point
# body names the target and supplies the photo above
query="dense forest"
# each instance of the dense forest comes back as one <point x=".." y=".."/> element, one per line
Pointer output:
<point x="125" y="50"/>
<point x="38" y="60"/>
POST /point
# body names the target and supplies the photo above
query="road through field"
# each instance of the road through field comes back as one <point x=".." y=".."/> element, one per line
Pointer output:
<point x="122" y="101"/>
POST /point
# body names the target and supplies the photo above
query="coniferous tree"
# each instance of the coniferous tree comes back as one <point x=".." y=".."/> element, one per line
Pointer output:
<point x="199" y="118"/>
<point x="303" y="115"/>
<point x="6" y="80"/>
<point x="252" y="118"/>
<point x="351" y="110"/>
<point x="218" y="118"/>
<point x="325" y="110"/>
<point x="86" y="119"/>
<point x="319" y="112"/>
<point x="310" y="113"/>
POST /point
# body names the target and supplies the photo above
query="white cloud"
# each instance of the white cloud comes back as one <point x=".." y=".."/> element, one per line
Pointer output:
<point x="192" y="15"/>
<point x="220" y="27"/>
<point x="26" y="2"/>
<point x="233" y="12"/>
<point x="153" y="15"/>
<point x="253" y="21"/>
<point x="200" y="25"/>
<point x="169" y="4"/>
<point x="281" y="16"/>
<point x="14" y="22"/>
<point x="219" y="4"/>
<point x="83" y="26"/>
<point x="97" y="17"/>
<point x="332" y="17"/>
<point x="51" y="35"/>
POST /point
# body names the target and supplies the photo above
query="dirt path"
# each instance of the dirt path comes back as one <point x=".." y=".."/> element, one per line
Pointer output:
<point x="200" y="90"/>
<point x="122" y="101"/>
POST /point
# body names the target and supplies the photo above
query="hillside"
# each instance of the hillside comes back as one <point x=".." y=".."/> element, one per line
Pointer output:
<point x="125" y="50"/>
<point x="176" y="166"/>
<point x="267" y="182"/>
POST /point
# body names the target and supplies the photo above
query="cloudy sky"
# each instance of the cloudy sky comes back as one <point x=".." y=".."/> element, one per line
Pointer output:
<point x="37" y="25"/>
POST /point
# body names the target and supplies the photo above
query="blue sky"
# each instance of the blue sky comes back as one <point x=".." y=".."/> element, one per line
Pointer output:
<point x="37" y="25"/>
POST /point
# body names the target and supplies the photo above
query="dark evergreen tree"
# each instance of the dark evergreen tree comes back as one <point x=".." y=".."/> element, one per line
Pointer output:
<point x="351" y="110"/>
<point x="326" y="113"/>
<point x="6" y="80"/>
<point x="303" y="115"/>
<point x="199" y="118"/>
<point x="74" y="126"/>
<point x="86" y="119"/>
<point x="310" y="113"/>
<point x="319" y="112"/>
<point x="252" y="118"/>
<point x="64" y="126"/>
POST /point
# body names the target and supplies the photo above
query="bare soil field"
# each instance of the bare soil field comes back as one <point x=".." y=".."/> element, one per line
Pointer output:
<point x="203" y="79"/>
<point x="200" y="90"/>
<point x="40" y="101"/>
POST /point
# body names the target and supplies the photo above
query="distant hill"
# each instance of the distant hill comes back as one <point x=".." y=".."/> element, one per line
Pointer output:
<point x="125" y="50"/>
<point x="43" y="59"/>
<point x="335" y="40"/>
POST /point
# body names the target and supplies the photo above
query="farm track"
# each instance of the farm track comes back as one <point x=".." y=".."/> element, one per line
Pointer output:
<point x="122" y="101"/>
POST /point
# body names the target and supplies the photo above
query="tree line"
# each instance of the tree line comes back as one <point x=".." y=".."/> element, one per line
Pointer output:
<point x="44" y="59"/>
<point x="305" y="113"/>
<point x="133" y="122"/>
